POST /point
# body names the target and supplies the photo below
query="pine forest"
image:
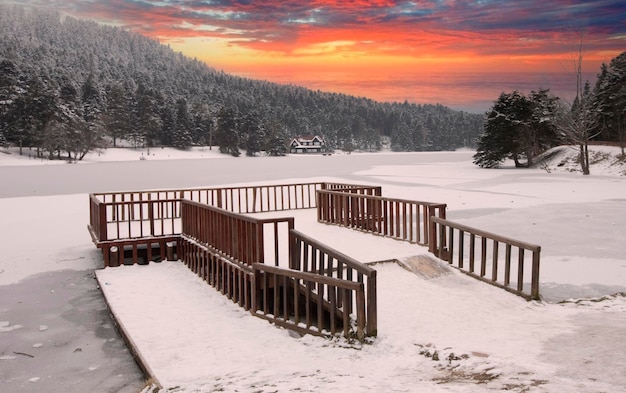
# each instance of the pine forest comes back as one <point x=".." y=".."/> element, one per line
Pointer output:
<point x="70" y="86"/>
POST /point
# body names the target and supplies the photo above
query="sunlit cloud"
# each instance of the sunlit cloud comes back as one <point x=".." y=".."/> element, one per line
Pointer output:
<point x="476" y="35"/>
<point x="422" y="29"/>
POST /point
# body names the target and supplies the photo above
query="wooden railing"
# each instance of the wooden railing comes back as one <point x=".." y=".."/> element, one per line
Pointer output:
<point x="281" y="274"/>
<point x="310" y="256"/>
<point x="97" y="219"/>
<point x="232" y="278"/>
<point x="397" y="218"/>
<point x="133" y="228"/>
<point x="492" y="258"/>
<point x="244" y="199"/>
<point x="244" y="239"/>
<point x="321" y="294"/>
<point x="309" y="303"/>
<point x="134" y="219"/>
<point x="138" y="214"/>
<point x="354" y="188"/>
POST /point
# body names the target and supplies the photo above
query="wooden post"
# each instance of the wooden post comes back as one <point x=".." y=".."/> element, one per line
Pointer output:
<point x="372" y="306"/>
<point x="169" y="250"/>
<point x="534" y="287"/>
<point x="432" y="238"/>
<point x="360" y="314"/>
<point x="113" y="257"/>
<point x="102" y="213"/>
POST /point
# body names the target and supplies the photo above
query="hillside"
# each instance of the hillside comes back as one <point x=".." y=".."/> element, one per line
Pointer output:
<point x="70" y="75"/>
<point x="604" y="160"/>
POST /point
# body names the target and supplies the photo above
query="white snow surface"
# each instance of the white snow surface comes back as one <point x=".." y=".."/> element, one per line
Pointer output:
<point x="196" y="340"/>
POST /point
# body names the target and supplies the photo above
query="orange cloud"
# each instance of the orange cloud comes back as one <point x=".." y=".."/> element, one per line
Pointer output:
<point x="367" y="37"/>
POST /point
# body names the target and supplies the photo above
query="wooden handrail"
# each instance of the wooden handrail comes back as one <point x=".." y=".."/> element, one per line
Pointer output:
<point x="401" y="219"/>
<point x="109" y="210"/>
<point x="330" y="293"/>
<point x="310" y="256"/>
<point x="241" y="237"/>
<point x="448" y="242"/>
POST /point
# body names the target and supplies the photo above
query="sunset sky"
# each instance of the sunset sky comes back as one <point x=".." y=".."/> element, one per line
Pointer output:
<point x="355" y="46"/>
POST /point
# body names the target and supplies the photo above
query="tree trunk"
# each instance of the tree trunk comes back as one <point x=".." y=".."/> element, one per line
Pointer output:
<point x="584" y="158"/>
<point x="518" y="163"/>
<point x="529" y="157"/>
<point x="621" y="134"/>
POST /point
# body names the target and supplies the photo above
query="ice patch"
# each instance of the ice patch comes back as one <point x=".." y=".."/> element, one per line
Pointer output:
<point x="5" y="327"/>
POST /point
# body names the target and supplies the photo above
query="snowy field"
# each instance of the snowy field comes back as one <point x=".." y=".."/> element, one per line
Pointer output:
<point x="437" y="333"/>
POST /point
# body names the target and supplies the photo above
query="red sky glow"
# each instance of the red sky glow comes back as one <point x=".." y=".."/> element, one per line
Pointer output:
<point x="279" y="40"/>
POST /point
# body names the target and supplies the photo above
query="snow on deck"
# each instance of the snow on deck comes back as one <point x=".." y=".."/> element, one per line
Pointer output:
<point x="437" y="332"/>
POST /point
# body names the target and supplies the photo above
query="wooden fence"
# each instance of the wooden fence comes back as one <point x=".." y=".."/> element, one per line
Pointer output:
<point x="155" y="215"/>
<point x="323" y="298"/>
<point x="310" y="256"/>
<point x="234" y="279"/>
<point x="139" y="220"/>
<point x="492" y="258"/>
<point x="244" y="239"/>
<point x="282" y="275"/>
<point x="309" y="303"/>
<point x="138" y="230"/>
<point x="397" y="218"/>
<point x="137" y="214"/>
<point x="245" y="199"/>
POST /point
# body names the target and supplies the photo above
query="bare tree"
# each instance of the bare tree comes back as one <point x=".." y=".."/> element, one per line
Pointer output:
<point x="577" y="123"/>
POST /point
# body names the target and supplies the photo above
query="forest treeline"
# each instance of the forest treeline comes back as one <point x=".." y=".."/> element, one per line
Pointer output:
<point x="68" y="86"/>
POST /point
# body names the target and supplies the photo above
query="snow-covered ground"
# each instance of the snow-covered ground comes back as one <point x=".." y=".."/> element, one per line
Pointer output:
<point x="443" y="333"/>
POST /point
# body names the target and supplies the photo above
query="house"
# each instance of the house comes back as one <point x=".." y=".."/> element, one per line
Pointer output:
<point x="307" y="144"/>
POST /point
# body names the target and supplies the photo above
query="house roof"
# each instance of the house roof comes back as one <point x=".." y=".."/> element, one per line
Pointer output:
<point x="308" y="138"/>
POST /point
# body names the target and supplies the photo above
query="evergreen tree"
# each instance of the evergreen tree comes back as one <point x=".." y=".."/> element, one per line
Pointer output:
<point x="58" y="131"/>
<point x="518" y="127"/>
<point x="252" y="133"/>
<point x="89" y="131"/>
<point x="147" y="115"/>
<point x="182" y="132"/>
<point x="276" y="139"/>
<point x="609" y="101"/>
<point x="201" y="124"/>
<point x="118" y="117"/>
<point x="31" y="113"/>
<point x="226" y="133"/>
<point x="168" y="119"/>
<point x="541" y="133"/>
<point x="499" y="139"/>
<point x="10" y="91"/>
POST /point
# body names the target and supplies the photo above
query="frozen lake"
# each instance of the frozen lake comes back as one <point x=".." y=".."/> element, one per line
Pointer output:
<point x="62" y="179"/>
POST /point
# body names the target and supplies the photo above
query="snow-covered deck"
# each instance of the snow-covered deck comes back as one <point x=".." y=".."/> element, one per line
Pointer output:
<point x="190" y="336"/>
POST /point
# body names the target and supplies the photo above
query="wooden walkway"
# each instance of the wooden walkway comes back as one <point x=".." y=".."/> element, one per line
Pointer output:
<point x="282" y="275"/>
